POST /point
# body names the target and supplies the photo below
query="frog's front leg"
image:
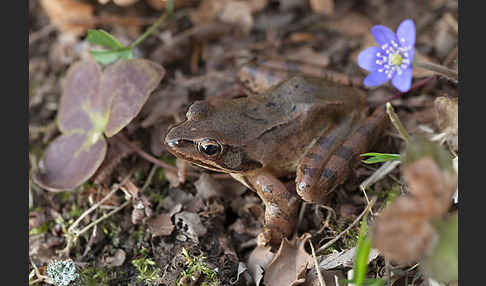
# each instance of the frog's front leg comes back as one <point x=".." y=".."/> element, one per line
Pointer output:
<point x="329" y="162"/>
<point x="281" y="207"/>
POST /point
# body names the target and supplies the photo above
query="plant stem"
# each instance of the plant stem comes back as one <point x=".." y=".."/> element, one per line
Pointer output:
<point x="396" y="122"/>
<point x="365" y="211"/>
<point x="439" y="69"/>
<point x="152" y="28"/>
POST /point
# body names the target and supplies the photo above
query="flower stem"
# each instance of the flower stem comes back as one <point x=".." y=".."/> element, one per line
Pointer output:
<point x="438" y="69"/>
<point x="168" y="13"/>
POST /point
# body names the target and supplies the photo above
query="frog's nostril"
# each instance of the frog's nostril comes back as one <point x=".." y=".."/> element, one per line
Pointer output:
<point x="174" y="143"/>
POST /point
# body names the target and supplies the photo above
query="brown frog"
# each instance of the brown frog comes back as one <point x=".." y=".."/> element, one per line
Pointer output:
<point x="306" y="126"/>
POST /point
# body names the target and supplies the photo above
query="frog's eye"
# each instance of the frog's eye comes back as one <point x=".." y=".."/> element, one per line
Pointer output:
<point x="209" y="147"/>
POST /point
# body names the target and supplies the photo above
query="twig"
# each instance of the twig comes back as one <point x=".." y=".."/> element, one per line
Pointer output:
<point x="365" y="211"/>
<point x="94" y="207"/>
<point x="149" y="178"/>
<point x="396" y="122"/>
<point x="316" y="265"/>
<point x="102" y="218"/>
<point x="330" y="212"/>
<point x="381" y="172"/>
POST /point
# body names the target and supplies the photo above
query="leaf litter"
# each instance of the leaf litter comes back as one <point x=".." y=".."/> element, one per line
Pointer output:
<point x="199" y="51"/>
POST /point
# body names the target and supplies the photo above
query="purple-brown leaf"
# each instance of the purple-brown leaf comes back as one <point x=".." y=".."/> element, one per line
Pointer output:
<point x="80" y="97"/>
<point x="128" y="84"/>
<point x="70" y="160"/>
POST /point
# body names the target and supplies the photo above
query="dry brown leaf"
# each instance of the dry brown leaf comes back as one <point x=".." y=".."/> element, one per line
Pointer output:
<point x="447" y="119"/>
<point x="290" y="263"/>
<point x="69" y="16"/>
<point x="287" y="5"/>
<point x="192" y="223"/>
<point x="257" y="5"/>
<point x="116" y="260"/>
<point x="160" y="4"/>
<point x="353" y="25"/>
<point x="329" y="276"/>
<point x="259" y="258"/>
<point x="237" y="13"/>
<point x="403" y="232"/>
<point x="307" y="55"/>
<point x="208" y="10"/>
<point x="325" y="7"/>
<point x="300" y="37"/>
<point x="160" y="225"/>
<point x="344" y="258"/>
<point x="122" y="3"/>
<point x="446" y="35"/>
<point x="207" y="187"/>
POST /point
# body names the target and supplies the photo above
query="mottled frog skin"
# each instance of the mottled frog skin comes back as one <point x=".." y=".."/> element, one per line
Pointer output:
<point x="308" y="127"/>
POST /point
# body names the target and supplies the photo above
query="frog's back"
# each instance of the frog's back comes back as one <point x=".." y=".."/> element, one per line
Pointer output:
<point x="304" y="108"/>
<point x="320" y="92"/>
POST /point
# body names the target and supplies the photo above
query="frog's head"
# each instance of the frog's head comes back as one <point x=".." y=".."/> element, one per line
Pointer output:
<point x="212" y="136"/>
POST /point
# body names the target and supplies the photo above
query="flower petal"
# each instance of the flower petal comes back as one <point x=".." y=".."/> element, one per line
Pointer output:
<point x="367" y="58"/>
<point x="403" y="82"/>
<point x="383" y="35"/>
<point x="406" y="31"/>
<point x="375" y="78"/>
<point x="411" y="55"/>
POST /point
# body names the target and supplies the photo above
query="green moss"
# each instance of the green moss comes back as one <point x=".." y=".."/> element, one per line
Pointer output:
<point x="148" y="272"/>
<point x="92" y="276"/>
<point x="43" y="228"/>
<point x="195" y="267"/>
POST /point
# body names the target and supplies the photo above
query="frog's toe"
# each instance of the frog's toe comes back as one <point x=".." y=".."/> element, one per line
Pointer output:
<point x="306" y="192"/>
<point x="264" y="238"/>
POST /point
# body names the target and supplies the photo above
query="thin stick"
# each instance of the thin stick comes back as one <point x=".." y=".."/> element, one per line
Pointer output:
<point x="396" y="122"/>
<point x="102" y="218"/>
<point x="94" y="207"/>
<point x="316" y="265"/>
<point x="149" y="178"/>
<point x="365" y="211"/>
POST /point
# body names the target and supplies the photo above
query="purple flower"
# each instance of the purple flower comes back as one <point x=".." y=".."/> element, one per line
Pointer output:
<point x="392" y="59"/>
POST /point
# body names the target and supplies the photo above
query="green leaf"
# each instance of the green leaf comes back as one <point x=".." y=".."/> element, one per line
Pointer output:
<point x="108" y="57"/>
<point x="361" y="257"/>
<point x="374" y="282"/>
<point x="442" y="263"/>
<point x="103" y="38"/>
<point x="379" y="157"/>
<point x="169" y="7"/>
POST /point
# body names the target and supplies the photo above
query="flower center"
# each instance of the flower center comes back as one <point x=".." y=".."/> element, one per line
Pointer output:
<point x="396" y="59"/>
<point x="393" y="58"/>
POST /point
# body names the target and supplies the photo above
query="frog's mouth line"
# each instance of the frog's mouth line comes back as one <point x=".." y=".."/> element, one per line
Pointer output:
<point x="195" y="161"/>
